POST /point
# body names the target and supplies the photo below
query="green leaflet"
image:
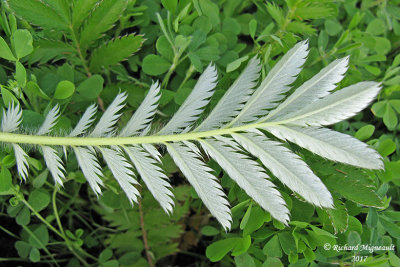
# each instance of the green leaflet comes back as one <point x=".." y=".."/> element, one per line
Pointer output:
<point x="354" y="189"/>
<point x="50" y="50"/>
<point x="300" y="27"/>
<point x="115" y="51"/>
<point x="315" y="10"/>
<point x="102" y="19"/>
<point x="62" y="8"/>
<point x="22" y="41"/>
<point x="38" y="13"/>
<point x="5" y="51"/>
<point x="81" y="11"/>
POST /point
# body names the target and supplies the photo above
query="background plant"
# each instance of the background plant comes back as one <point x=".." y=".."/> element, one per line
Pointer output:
<point x="179" y="44"/>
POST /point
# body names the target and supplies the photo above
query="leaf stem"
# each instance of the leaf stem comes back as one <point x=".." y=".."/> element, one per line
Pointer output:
<point x="79" y="51"/>
<point x="118" y="141"/>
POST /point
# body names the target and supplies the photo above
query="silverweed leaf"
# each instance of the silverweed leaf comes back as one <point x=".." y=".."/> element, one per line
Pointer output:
<point x="229" y="134"/>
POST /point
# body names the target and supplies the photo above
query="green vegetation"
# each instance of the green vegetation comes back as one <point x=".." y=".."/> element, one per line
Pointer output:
<point x="71" y="54"/>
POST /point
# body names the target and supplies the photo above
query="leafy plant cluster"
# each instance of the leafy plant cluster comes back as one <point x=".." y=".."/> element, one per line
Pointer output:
<point x="71" y="54"/>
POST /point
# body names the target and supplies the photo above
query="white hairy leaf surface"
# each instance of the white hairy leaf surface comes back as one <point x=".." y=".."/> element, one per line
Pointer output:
<point x="11" y="118"/>
<point x="205" y="184"/>
<point x="85" y="121"/>
<point x="152" y="151"/>
<point x="230" y="142"/>
<point x="49" y="121"/>
<point x="122" y="171"/>
<point x="152" y="175"/>
<point x="21" y="160"/>
<point x="194" y="148"/>
<point x="275" y="85"/>
<point x="90" y="167"/>
<point x="53" y="161"/>
<point x="234" y="99"/>
<point x="287" y="167"/>
<point x="338" y="106"/>
<point x="194" y="104"/>
<point x="331" y="145"/>
<point x="54" y="164"/>
<point x="106" y="124"/>
<point x="144" y="114"/>
<point x="250" y="176"/>
<point x="315" y="88"/>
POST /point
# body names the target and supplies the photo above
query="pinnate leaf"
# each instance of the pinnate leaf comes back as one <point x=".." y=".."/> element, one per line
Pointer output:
<point x="228" y="135"/>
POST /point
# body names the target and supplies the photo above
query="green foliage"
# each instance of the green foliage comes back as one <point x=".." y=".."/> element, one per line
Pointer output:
<point x="5" y="182"/>
<point x="22" y="42"/>
<point x="155" y="65"/>
<point x="48" y="49"/>
<point x="91" y="87"/>
<point x="358" y="189"/>
<point x="73" y="53"/>
<point x="5" y="51"/>
<point x="162" y="231"/>
<point x="64" y="90"/>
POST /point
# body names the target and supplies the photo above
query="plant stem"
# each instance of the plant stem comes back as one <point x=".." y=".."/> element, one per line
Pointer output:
<point x="170" y="71"/>
<point x="144" y="235"/>
<point x="84" y="63"/>
<point x="51" y="227"/>
<point x="28" y="260"/>
<point x="189" y="73"/>
<point x="39" y="242"/>
<point x="64" y="236"/>
<point x="8" y="232"/>
<point x="25" y="102"/>
<point x="74" y="213"/>
<point x="79" y="51"/>
<point x="55" y="210"/>
<point x="324" y="56"/>
<point x="138" y="82"/>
